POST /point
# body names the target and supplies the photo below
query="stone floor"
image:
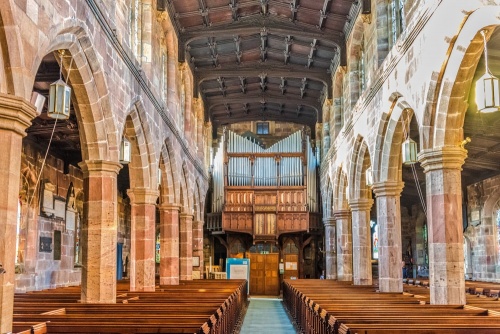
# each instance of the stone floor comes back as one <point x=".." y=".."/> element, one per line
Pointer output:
<point x="266" y="316"/>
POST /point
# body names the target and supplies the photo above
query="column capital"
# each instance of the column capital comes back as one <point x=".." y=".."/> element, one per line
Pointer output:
<point x="15" y="113"/>
<point x="201" y="222"/>
<point x="169" y="207"/>
<point x="185" y="215"/>
<point x="89" y="166"/>
<point x="143" y="195"/>
<point x="342" y="214"/>
<point x="329" y="221"/>
<point x="446" y="157"/>
<point x="388" y="188"/>
<point x="360" y="204"/>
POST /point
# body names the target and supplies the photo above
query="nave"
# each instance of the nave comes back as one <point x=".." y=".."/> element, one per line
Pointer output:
<point x="222" y="306"/>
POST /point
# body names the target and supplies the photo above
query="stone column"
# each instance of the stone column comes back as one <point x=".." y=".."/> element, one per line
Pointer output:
<point x="15" y="116"/>
<point x="186" y="246"/>
<point x="99" y="231"/>
<point x="344" y="245"/>
<point x="361" y="241"/>
<point x="169" y="244"/>
<point x="142" y="239"/>
<point x="330" y="248"/>
<point x="442" y="167"/>
<point x="198" y="244"/>
<point x="389" y="223"/>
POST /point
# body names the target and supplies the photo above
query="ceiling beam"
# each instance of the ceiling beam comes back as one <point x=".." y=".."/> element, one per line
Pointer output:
<point x="272" y="70"/>
<point x="255" y="26"/>
<point x="264" y="98"/>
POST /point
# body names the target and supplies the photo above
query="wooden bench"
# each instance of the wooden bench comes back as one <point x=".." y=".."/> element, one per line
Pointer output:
<point x="191" y="307"/>
<point x="324" y="307"/>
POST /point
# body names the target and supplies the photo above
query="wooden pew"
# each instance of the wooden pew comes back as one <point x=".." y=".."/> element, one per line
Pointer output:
<point x="191" y="307"/>
<point x="324" y="307"/>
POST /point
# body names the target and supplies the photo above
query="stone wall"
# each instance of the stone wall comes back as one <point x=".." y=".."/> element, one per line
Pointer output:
<point x="50" y="212"/>
<point x="482" y="243"/>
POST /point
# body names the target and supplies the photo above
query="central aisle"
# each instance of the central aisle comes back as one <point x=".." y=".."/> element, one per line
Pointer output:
<point x="266" y="315"/>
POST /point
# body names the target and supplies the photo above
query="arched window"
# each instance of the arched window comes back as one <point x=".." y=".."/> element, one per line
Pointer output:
<point x="426" y="243"/>
<point x="361" y="66"/>
<point x="237" y="250"/>
<point x="290" y="248"/>
<point x="163" y="78"/>
<point x="157" y="248"/>
<point x="19" y="258"/>
<point x="397" y="22"/>
<point x="374" y="232"/>
<point x="135" y="28"/>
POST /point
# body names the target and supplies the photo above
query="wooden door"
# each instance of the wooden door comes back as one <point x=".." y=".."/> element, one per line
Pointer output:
<point x="264" y="277"/>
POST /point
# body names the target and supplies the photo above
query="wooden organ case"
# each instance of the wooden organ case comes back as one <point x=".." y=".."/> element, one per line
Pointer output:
<point x="263" y="195"/>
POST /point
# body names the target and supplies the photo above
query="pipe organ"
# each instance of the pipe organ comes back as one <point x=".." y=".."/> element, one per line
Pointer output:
<point x="264" y="192"/>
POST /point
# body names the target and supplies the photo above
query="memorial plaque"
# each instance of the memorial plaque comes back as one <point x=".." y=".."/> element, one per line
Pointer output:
<point x="45" y="245"/>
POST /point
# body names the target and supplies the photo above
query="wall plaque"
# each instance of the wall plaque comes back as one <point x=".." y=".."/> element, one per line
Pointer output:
<point x="45" y="245"/>
<point x="59" y="208"/>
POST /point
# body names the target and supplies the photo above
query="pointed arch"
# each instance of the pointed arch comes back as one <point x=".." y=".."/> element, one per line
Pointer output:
<point x="357" y="170"/>
<point x="340" y="191"/>
<point x="448" y="95"/>
<point x="392" y="129"/>
<point x="328" y="199"/>
<point x="140" y="167"/>
<point x="94" y="111"/>
<point x="170" y="187"/>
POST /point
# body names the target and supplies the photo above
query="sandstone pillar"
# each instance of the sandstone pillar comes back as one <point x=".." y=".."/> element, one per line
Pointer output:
<point x="442" y="167"/>
<point x="99" y="231"/>
<point x="330" y="248"/>
<point x="169" y="244"/>
<point x="361" y="241"/>
<point x="15" y="116"/>
<point x="186" y="246"/>
<point x="389" y="224"/>
<point x="344" y="245"/>
<point x="142" y="241"/>
<point x="198" y="244"/>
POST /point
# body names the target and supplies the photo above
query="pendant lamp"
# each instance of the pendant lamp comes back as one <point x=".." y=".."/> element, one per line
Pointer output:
<point x="59" y="97"/>
<point x="125" y="151"/>
<point x="409" y="148"/>
<point x="487" y="92"/>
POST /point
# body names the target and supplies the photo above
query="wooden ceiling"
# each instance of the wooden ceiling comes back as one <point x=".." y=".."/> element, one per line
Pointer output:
<point x="263" y="59"/>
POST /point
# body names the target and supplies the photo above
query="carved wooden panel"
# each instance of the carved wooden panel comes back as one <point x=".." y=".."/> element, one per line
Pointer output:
<point x="239" y="201"/>
<point x="292" y="200"/>
<point x="265" y="198"/>
<point x="290" y="222"/>
<point x="239" y="197"/>
<point x="237" y="222"/>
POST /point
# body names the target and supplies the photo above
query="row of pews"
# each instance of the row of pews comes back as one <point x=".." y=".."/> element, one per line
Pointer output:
<point x="487" y="289"/>
<point x="200" y="306"/>
<point x="327" y="307"/>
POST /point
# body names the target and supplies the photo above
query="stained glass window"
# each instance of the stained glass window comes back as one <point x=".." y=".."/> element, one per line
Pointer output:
<point x="157" y="248"/>
<point x="374" y="231"/>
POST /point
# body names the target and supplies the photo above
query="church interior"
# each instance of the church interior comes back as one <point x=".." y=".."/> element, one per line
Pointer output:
<point x="169" y="160"/>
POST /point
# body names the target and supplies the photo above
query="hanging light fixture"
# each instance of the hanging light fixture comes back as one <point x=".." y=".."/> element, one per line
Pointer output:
<point x="125" y="151"/>
<point x="409" y="148"/>
<point x="59" y="97"/>
<point x="369" y="176"/>
<point x="487" y="92"/>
